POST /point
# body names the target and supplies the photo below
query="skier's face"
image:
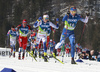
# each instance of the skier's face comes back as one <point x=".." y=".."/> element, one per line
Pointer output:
<point x="24" y="24"/>
<point x="45" y="19"/>
<point x="33" y="32"/>
<point x="73" y="13"/>
<point x="12" y="29"/>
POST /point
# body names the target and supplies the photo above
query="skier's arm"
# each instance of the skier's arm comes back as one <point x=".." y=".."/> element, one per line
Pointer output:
<point x="17" y="37"/>
<point x="17" y="28"/>
<point x="29" y="40"/>
<point x="84" y="20"/>
<point x="36" y="24"/>
<point x="64" y="18"/>
<point x="55" y="26"/>
<point x="8" y="33"/>
<point x="30" y="28"/>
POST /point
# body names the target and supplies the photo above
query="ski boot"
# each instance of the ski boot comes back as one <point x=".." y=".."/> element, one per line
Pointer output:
<point x="26" y="54"/>
<point x="32" y="52"/>
<point x="19" y="56"/>
<point x="11" y="52"/>
<point x="42" y="56"/>
<point x="39" y="55"/>
<point x="35" y="55"/>
<point x="23" y="55"/>
<point x="45" y="57"/>
<point x="51" y="55"/>
<point x="73" y="61"/>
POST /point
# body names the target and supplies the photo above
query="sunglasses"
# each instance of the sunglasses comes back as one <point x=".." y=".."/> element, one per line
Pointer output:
<point x="73" y="11"/>
<point x="46" y="18"/>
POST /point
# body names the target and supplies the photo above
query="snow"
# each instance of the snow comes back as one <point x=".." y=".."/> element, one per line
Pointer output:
<point x="30" y="65"/>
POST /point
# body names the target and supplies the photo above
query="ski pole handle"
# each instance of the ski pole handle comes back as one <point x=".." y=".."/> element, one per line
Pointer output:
<point x="57" y="21"/>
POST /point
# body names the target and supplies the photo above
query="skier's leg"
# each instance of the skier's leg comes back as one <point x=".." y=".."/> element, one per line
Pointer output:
<point x="11" y="46"/>
<point x="19" y="55"/>
<point x="44" y="39"/>
<point x="62" y="39"/>
<point x="24" y="46"/>
<point x="14" y="43"/>
<point x="38" y="41"/>
<point x="23" y="54"/>
<point x="51" y="52"/>
<point x="24" y="43"/>
<point x="72" y="42"/>
<point x="35" y="52"/>
<point x="13" y="50"/>
<point x="20" y="47"/>
<point x="48" y="39"/>
<point x="59" y="44"/>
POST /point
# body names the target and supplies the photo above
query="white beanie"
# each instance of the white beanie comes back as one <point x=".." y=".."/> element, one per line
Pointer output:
<point x="45" y="16"/>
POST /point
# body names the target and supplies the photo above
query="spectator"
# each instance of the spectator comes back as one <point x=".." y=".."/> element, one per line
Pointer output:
<point x="98" y="57"/>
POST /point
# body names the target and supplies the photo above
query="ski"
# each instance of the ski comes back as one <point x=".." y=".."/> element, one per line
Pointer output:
<point x="58" y="60"/>
<point x="32" y="56"/>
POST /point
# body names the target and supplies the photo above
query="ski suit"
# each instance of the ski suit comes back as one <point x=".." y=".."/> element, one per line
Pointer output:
<point x="51" y="46"/>
<point x="44" y="30"/>
<point x="67" y="48"/>
<point x="23" y="32"/>
<point x="13" y="35"/>
<point x="32" y="37"/>
<point x="68" y="30"/>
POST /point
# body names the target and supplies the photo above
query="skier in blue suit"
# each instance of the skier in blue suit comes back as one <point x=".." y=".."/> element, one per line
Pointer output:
<point x="68" y="31"/>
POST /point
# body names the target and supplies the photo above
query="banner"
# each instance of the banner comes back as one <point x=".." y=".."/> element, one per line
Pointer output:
<point x="5" y="51"/>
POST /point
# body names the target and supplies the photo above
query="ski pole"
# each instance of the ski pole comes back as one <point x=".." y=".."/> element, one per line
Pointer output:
<point x="82" y="32"/>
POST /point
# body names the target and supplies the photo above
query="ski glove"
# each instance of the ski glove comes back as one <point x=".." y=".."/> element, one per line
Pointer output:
<point x="40" y="18"/>
<point x="57" y="20"/>
<point x="68" y="12"/>
<point x="87" y="14"/>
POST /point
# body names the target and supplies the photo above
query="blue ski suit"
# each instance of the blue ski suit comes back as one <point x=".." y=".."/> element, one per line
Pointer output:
<point x="51" y="46"/>
<point x="68" y="30"/>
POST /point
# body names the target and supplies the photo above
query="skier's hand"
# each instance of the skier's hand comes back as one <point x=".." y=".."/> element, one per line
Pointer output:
<point x="40" y="18"/>
<point x="87" y="14"/>
<point x="68" y="12"/>
<point x="57" y="19"/>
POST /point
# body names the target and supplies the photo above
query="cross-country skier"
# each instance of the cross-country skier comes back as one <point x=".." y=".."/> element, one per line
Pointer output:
<point x="68" y="30"/>
<point x="48" y="35"/>
<point x="23" y="32"/>
<point x="32" y="36"/>
<point x="67" y="49"/>
<point x="44" y="27"/>
<point x="63" y="50"/>
<point x="33" y="48"/>
<point x="51" y="46"/>
<point x="32" y="40"/>
<point x="13" y="35"/>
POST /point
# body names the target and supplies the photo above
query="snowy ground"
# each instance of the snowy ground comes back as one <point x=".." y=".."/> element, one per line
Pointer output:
<point x="27" y="65"/>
